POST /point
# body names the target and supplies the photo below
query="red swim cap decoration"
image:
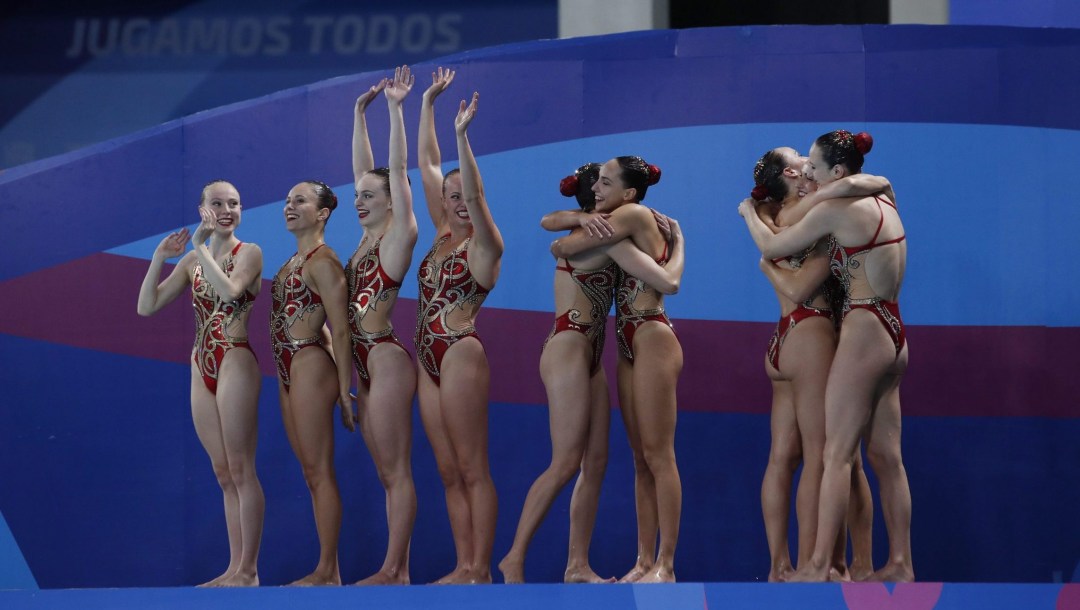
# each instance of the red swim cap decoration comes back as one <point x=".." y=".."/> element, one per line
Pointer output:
<point x="568" y="185"/>
<point x="863" y="142"/>
<point x="654" y="174"/>
<point x="760" y="192"/>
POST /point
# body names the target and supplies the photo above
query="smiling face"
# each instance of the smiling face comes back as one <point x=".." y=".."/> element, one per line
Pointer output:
<point x="454" y="202"/>
<point x="372" y="200"/>
<point x="819" y="171"/>
<point x="223" y="201"/>
<point x="302" y="210"/>
<point x="609" y="189"/>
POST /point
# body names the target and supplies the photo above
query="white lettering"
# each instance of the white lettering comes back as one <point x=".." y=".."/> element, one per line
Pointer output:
<point x="348" y="35"/>
<point x="77" y="39"/>
<point x="167" y="38"/>
<point x="200" y="37"/>
<point x="318" y="26"/>
<point x="447" y="26"/>
<point x="416" y="33"/>
<point x="277" y="31"/>
<point x="385" y="25"/>
<point x="93" y="44"/>
<point x="246" y="36"/>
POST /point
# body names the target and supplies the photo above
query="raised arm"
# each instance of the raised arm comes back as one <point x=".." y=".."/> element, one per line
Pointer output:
<point x="328" y="280"/>
<point x="403" y="222"/>
<point x="486" y="239"/>
<point x="665" y="278"/>
<point x="595" y="223"/>
<point x="429" y="158"/>
<point x="363" y="160"/>
<point x="248" y="265"/>
<point x="821" y="221"/>
<point x="855" y="185"/>
<point x="800" y="284"/>
<point x="625" y="222"/>
<point x="153" y="295"/>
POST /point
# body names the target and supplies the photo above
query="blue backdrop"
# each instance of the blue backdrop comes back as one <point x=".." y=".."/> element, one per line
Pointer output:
<point x="976" y="127"/>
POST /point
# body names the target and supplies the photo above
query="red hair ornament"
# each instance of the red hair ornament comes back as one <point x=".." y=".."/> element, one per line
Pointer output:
<point x="568" y="186"/>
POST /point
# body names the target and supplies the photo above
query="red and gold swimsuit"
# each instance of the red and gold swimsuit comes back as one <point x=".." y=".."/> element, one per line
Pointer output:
<point x="213" y="317"/>
<point x="804" y="310"/>
<point x="843" y="261"/>
<point x="443" y="288"/>
<point x="598" y="286"/>
<point x="629" y="318"/>
<point x="293" y="300"/>
<point x="369" y="285"/>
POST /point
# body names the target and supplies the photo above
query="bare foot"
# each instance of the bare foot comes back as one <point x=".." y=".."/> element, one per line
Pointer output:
<point x="781" y="573"/>
<point x="217" y="581"/>
<point x="860" y="572"/>
<point x="658" y="574"/>
<point x="584" y="575"/>
<point x="894" y="572"/>
<point x="457" y="577"/>
<point x="513" y="571"/>
<point x="810" y="573"/>
<point x="383" y="578"/>
<point x="240" y="580"/>
<point x="839" y="574"/>
<point x="317" y="580"/>
<point x="479" y="578"/>
<point x="635" y="574"/>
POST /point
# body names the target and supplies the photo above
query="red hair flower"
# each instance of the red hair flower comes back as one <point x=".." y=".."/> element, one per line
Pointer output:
<point x="568" y="185"/>
<point x="654" y="174"/>
<point x="863" y="142"/>
<point x="760" y="193"/>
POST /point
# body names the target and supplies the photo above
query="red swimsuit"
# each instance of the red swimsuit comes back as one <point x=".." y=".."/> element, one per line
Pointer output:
<point x="293" y="300"/>
<point x="805" y="310"/>
<point x="443" y="288"/>
<point x="212" y="320"/>
<point x="628" y="318"/>
<point x="843" y="260"/>
<point x="369" y="285"/>
<point x="598" y="286"/>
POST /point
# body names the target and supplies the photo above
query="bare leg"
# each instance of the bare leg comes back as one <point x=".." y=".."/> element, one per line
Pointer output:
<point x="586" y="498"/>
<point x="238" y="403"/>
<point x="564" y="367"/>
<point x="310" y="413"/>
<point x="457" y="503"/>
<point x="861" y="523"/>
<point x="463" y="397"/>
<point x="386" y="422"/>
<point x="204" y="415"/>
<point x="785" y="452"/>
<point x="644" y="486"/>
<point x="864" y="355"/>
<point x="656" y="373"/>
<point x="883" y="451"/>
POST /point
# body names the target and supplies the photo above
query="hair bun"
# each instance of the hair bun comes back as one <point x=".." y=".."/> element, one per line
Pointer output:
<point x="760" y="192"/>
<point x="863" y="142"/>
<point x="568" y="186"/>
<point x="654" y="174"/>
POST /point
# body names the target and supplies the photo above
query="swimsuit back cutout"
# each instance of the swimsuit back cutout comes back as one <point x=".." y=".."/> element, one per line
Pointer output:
<point x="293" y="301"/>
<point x="630" y="288"/>
<point x="369" y="285"/>
<point x="597" y="285"/>
<point x="445" y="288"/>
<point x="843" y="258"/>
<point x="213" y="319"/>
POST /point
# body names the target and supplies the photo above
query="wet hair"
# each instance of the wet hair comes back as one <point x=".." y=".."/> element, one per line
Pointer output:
<point x="637" y="174"/>
<point x="447" y="177"/>
<point x="383" y="173"/>
<point x="769" y="180"/>
<point x="206" y="187"/>
<point x="579" y="185"/>
<point x="840" y="147"/>
<point x="324" y="195"/>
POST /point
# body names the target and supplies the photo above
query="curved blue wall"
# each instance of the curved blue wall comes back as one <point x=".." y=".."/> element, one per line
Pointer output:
<point x="976" y="127"/>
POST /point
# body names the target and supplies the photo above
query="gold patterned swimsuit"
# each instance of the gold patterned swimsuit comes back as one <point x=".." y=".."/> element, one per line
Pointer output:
<point x="213" y="317"/>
